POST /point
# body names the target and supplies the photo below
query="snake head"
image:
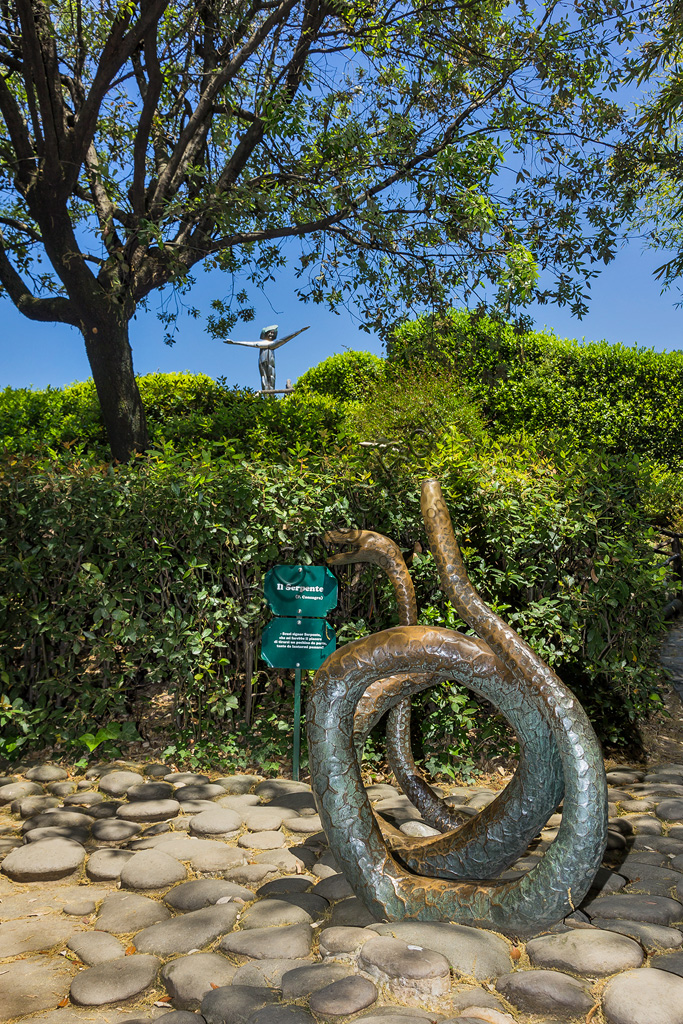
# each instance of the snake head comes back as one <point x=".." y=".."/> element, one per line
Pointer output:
<point x="366" y="546"/>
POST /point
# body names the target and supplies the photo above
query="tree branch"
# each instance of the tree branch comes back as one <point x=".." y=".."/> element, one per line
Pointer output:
<point x="154" y="85"/>
<point x="40" y="56"/>
<point x="18" y="133"/>
<point x="182" y="156"/>
<point x="20" y="225"/>
<point x="56" y="308"/>
<point x="118" y="49"/>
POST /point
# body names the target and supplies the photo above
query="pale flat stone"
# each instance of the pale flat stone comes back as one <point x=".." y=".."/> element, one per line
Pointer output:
<point x="262" y="841"/>
<point x="106" y="865"/>
<point x="34" y="984"/>
<point x="293" y="941"/>
<point x="540" y="991"/>
<point x="645" y="996"/>
<point x="651" y="936"/>
<point x="651" y="909"/>
<point x="266" y="973"/>
<point x="146" y="791"/>
<point x="124" y="912"/>
<point x="239" y="784"/>
<point x="234" y="1004"/>
<point x="18" y="790"/>
<point x="205" y="892"/>
<point x="190" y="931"/>
<point x="115" y="981"/>
<point x="217" y="821"/>
<point x="404" y="970"/>
<point x="272" y="788"/>
<point x="54" y="817"/>
<point x="149" y="810"/>
<point x="33" y="934"/>
<point x="96" y="947"/>
<point x="343" y="942"/>
<point x="189" y="978"/>
<point x="47" y="773"/>
<point x="270" y="913"/>
<point x="44" y="860"/>
<point x="118" y="782"/>
<point x="251" y="874"/>
<point x="152" y="869"/>
<point x="302" y="981"/>
<point x="469" y="951"/>
<point x="592" y="952"/>
<point x="343" y="997"/>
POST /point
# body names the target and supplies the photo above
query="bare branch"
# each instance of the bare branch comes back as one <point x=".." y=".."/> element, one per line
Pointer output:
<point x="18" y="133"/>
<point x="20" y="225"/>
<point x="188" y="144"/>
<point x="118" y="49"/>
<point x="52" y="309"/>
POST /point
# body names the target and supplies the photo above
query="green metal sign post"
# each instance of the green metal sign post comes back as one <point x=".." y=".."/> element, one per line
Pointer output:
<point x="299" y="638"/>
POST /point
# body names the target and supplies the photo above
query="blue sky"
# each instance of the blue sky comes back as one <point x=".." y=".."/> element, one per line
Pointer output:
<point x="626" y="307"/>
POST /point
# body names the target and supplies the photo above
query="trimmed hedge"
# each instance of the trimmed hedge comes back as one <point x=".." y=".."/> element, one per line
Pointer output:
<point x="111" y="578"/>
<point x="606" y="397"/>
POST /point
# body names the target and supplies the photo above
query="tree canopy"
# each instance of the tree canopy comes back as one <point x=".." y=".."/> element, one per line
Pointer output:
<point x="415" y="149"/>
<point x="648" y="164"/>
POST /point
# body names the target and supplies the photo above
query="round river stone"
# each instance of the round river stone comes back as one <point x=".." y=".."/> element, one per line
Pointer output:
<point x="292" y="941"/>
<point x="152" y="869"/>
<point x="468" y="950"/>
<point x="189" y="978"/>
<point x="149" y="810"/>
<point x="205" y="892"/>
<point x="217" y="821"/>
<point x="107" y="865"/>
<point x="595" y="953"/>
<point x="114" y="981"/>
<point x="546" y="992"/>
<point x="343" y="997"/>
<point x="44" y="860"/>
<point x="401" y="968"/>
<point x="117" y="783"/>
<point x="188" y="932"/>
<point x="645" y="996"/>
<point x="146" y="791"/>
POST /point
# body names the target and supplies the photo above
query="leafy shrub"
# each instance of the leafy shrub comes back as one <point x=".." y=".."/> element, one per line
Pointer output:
<point x="597" y="395"/>
<point x="116" y="577"/>
<point x="111" y="578"/>
<point x="182" y="408"/>
<point x="345" y="376"/>
<point x="413" y="409"/>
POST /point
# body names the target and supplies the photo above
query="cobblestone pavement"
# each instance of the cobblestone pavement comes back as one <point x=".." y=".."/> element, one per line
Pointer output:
<point x="134" y="893"/>
<point x="672" y="656"/>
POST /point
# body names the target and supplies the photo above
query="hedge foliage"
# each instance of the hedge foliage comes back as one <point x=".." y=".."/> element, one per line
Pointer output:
<point x="606" y="397"/>
<point x="115" y="578"/>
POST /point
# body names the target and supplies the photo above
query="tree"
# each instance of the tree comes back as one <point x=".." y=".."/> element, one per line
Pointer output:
<point x="647" y="169"/>
<point x="144" y="137"/>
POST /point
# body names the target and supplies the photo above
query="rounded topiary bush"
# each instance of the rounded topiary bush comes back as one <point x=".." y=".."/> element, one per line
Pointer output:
<point x="344" y="376"/>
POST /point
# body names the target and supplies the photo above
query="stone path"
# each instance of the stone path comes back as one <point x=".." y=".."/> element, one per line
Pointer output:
<point x="134" y="893"/>
<point x="672" y="656"/>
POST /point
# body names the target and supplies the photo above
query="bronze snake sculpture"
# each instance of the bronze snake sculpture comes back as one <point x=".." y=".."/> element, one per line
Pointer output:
<point x="558" y="750"/>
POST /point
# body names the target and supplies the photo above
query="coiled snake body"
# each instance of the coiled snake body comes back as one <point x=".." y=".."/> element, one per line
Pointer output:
<point x="558" y="753"/>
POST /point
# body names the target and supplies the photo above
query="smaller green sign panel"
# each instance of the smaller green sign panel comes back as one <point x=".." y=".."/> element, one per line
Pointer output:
<point x="297" y="643"/>
<point x="300" y="590"/>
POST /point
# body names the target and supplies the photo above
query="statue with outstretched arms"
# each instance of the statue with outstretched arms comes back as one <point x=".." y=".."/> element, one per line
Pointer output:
<point x="266" y="346"/>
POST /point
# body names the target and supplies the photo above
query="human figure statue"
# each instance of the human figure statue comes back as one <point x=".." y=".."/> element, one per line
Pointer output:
<point x="266" y="346"/>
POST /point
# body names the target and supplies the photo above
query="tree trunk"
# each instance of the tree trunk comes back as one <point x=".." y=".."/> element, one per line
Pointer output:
<point x="111" y="362"/>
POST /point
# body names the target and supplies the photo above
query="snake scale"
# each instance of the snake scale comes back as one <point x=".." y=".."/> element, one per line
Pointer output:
<point x="452" y="876"/>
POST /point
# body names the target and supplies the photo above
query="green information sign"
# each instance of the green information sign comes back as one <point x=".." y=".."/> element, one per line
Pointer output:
<point x="297" y="643"/>
<point x="301" y="595"/>
<point x="300" y="590"/>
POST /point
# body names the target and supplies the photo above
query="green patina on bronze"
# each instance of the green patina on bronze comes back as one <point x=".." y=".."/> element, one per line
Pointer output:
<point x="452" y="876"/>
